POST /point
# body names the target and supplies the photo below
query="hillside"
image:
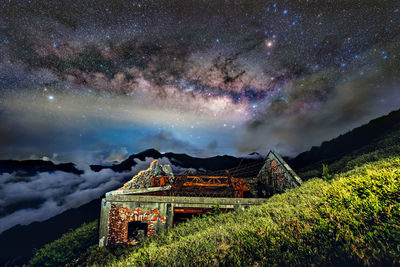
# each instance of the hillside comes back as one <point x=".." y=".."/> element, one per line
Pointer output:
<point x="31" y="167"/>
<point x="352" y="220"/>
<point x="17" y="252"/>
<point x="382" y="146"/>
<point x="374" y="140"/>
<point x="349" y="220"/>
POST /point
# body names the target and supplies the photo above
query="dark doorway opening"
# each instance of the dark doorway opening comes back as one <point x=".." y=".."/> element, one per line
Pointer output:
<point x="184" y="214"/>
<point x="136" y="231"/>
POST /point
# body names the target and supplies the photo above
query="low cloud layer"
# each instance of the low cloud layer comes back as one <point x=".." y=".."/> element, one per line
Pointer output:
<point x="45" y="195"/>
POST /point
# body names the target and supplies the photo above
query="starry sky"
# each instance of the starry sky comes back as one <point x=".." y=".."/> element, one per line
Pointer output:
<point x="95" y="81"/>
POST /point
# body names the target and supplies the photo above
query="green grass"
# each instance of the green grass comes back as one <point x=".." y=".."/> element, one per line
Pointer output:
<point x="69" y="249"/>
<point x="353" y="219"/>
<point x="380" y="148"/>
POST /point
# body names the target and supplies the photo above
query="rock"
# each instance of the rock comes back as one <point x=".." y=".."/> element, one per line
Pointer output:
<point x="144" y="178"/>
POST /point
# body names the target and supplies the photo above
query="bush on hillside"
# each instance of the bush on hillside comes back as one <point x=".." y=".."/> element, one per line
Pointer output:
<point x="386" y="146"/>
<point x="68" y="249"/>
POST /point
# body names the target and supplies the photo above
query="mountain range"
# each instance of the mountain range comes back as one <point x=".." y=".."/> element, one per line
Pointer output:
<point x="31" y="167"/>
<point x="182" y="160"/>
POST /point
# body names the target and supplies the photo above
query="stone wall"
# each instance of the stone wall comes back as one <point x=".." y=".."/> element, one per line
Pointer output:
<point x="145" y="178"/>
<point x="153" y="214"/>
<point x="157" y="211"/>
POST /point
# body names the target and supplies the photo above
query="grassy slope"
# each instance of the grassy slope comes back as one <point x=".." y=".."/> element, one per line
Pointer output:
<point x="379" y="148"/>
<point x="353" y="219"/>
<point x="343" y="145"/>
<point x="13" y="251"/>
<point x="69" y="248"/>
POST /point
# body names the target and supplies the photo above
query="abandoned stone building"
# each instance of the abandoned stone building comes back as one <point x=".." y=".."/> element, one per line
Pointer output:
<point x="155" y="199"/>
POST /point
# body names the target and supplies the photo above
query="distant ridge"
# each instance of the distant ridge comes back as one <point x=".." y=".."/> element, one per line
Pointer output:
<point x="181" y="160"/>
<point x="20" y="241"/>
<point x="329" y="151"/>
<point x="31" y="167"/>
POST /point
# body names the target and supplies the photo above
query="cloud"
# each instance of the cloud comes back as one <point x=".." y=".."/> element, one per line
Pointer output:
<point x="212" y="146"/>
<point x="59" y="191"/>
<point x="323" y="105"/>
<point x="117" y="155"/>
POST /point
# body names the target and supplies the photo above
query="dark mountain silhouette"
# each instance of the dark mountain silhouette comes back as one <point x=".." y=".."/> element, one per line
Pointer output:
<point x="336" y="148"/>
<point x="254" y="155"/>
<point x="31" y="167"/>
<point x="182" y="160"/>
<point x="18" y="243"/>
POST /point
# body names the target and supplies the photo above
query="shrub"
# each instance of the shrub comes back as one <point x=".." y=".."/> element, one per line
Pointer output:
<point x="384" y="147"/>
<point x="325" y="172"/>
<point x="68" y="249"/>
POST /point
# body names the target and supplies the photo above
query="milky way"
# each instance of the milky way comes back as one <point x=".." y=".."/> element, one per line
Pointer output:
<point x="98" y="80"/>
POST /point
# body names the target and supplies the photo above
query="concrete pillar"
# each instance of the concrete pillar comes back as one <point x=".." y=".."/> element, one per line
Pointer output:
<point x="170" y="215"/>
<point x="103" y="227"/>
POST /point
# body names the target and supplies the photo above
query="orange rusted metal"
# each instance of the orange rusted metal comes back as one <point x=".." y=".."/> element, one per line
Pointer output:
<point x="160" y="181"/>
<point x="191" y="210"/>
<point x="204" y="183"/>
<point x="188" y="184"/>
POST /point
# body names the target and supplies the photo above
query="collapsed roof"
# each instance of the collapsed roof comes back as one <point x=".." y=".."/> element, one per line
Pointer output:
<point x="263" y="179"/>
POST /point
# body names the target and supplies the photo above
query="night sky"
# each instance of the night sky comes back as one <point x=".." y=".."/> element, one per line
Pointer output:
<point x="94" y="81"/>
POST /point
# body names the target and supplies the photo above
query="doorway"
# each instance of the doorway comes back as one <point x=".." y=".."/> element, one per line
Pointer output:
<point x="136" y="231"/>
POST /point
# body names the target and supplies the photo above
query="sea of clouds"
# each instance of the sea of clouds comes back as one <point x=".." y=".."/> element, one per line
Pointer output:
<point x="59" y="191"/>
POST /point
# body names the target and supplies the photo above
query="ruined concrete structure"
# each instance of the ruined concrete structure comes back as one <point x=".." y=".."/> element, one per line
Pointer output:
<point x="275" y="176"/>
<point x="155" y="200"/>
